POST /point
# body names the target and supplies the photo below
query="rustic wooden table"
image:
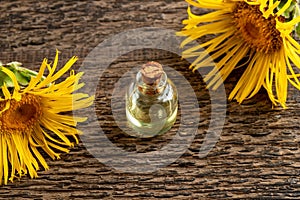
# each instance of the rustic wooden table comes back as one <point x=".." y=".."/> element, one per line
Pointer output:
<point x="256" y="156"/>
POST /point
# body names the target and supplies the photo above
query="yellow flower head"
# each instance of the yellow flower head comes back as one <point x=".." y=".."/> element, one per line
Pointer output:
<point x="33" y="118"/>
<point x="242" y="28"/>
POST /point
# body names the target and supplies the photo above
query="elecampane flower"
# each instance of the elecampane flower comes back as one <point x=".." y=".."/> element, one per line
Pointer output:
<point x="244" y="28"/>
<point x="33" y="118"/>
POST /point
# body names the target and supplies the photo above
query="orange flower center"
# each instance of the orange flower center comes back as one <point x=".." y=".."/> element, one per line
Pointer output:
<point x="22" y="115"/>
<point x="258" y="32"/>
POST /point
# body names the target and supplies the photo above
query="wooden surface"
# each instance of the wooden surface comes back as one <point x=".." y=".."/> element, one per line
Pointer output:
<point x="257" y="155"/>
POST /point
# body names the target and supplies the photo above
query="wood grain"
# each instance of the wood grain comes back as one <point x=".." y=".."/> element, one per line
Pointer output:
<point x="256" y="157"/>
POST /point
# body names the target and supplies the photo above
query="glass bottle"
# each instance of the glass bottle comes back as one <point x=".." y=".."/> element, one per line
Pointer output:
<point x="151" y="102"/>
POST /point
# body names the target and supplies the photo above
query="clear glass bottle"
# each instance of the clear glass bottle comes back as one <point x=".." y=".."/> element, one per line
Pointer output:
<point x="151" y="102"/>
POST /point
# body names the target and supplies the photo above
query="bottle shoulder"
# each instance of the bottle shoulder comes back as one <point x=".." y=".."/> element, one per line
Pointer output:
<point x="169" y="93"/>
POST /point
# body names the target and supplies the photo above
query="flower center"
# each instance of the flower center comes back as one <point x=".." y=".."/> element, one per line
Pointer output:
<point x="258" y="32"/>
<point x="21" y="115"/>
<point x="252" y="30"/>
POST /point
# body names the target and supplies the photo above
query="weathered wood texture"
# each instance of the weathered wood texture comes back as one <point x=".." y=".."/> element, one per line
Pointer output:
<point x="257" y="155"/>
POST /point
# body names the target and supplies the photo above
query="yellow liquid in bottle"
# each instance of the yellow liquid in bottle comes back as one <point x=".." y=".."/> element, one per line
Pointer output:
<point x="151" y="115"/>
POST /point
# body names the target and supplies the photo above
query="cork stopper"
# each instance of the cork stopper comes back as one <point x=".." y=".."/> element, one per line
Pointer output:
<point x="151" y="73"/>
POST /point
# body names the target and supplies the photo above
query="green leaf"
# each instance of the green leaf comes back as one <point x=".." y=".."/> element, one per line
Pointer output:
<point x="297" y="29"/>
<point x="2" y="75"/>
<point x="297" y="14"/>
<point x="23" y="75"/>
<point x="23" y="80"/>
<point x="288" y="13"/>
<point x="27" y="73"/>
<point x="4" y="78"/>
<point x="14" y="64"/>
<point x="291" y="13"/>
<point x="7" y="80"/>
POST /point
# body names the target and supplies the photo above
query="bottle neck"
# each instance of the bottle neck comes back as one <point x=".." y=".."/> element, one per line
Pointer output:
<point x="154" y="88"/>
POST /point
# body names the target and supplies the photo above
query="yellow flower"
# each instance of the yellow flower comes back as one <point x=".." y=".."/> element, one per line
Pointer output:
<point x="245" y="28"/>
<point x="34" y="117"/>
